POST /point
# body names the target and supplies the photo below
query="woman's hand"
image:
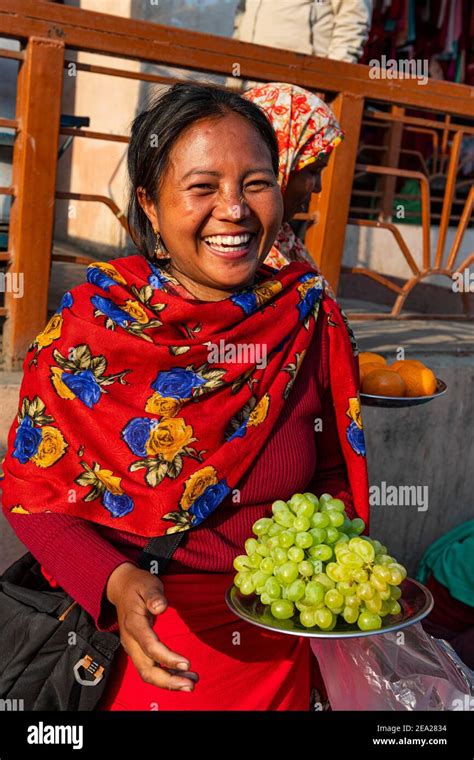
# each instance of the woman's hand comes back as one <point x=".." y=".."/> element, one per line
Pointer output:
<point x="138" y="596"/>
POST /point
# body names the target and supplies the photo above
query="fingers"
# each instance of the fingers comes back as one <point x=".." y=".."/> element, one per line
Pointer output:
<point x="138" y="627"/>
<point x="153" y="674"/>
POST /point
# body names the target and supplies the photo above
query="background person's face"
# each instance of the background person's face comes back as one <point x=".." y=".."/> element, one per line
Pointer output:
<point x="300" y="186"/>
<point x="216" y="241"/>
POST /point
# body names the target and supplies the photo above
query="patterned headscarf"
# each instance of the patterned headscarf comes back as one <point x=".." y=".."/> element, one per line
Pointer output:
<point x="306" y="127"/>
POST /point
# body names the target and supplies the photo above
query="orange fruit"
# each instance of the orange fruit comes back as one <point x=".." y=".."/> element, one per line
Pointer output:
<point x="367" y="367"/>
<point x="419" y="381"/>
<point x="406" y="362"/>
<point x="368" y="356"/>
<point x="383" y="382"/>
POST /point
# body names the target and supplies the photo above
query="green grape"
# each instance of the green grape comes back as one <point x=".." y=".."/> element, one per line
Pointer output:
<point x="385" y="609"/>
<point x="286" y="538"/>
<point x="335" y="518"/>
<point x="241" y="563"/>
<point x="359" y="575"/>
<point x="296" y="499"/>
<point x="362" y="549"/>
<point x="305" y="509"/>
<point x="357" y="525"/>
<point x="301" y="524"/>
<point x="377" y="545"/>
<point x="296" y="590"/>
<point x="317" y="566"/>
<point x="254" y="561"/>
<point x="397" y="566"/>
<point x="265" y="598"/>
<point x="251" y="545"/>
<point x="332" y="535"/>
<point x="377" y="583"/>
<point x="303" y="540"/>
<point x="324" y="618"/>
<point x="315" y="593"/>
<point x="395" y="592"/>
<point x="382" y="572"/>
<point x="343" y="539"/>
<point x="239" y="578"/>
<point x="295" y="554"/>
<point x="319" y="520"/>
<point x="383" y="549"/>
<point x="275" y="530"/>
<point x="261" y="526"/>
<point x="345" y="587"/>
<point x="345" y="573"/>
<point x="336" y="505"/>
<point x="324" y="579"/>
<point x="259" y="577"/>
<point x="350" y="614"/>
<point x="264" y="550"/>
<point x="318" y="535"/>
<point x="312" y="498"/>
<point x="282" y="609"/>
<point x="279" y="555"/>
<point x="365" y="591"/>
<point x="325" y="497"/>
<point x="247" y="586"/>
<point x="279" y="506"/>
<point x="273" y="588"/>
<point x="351" y="559"/>
<point x="267" y="565"/>
<point x="385" y="593"/>
<point x="333" y="571"/>
<point x="368" y="621"/>
<point x="333" y="599"/>
<point x="394" y="607"/>
<point x="322" y="552"/>
<point x="352" y="600"/>
<point x="305" y="568"/>
<point x="302" y="605"/>
<point x="308" y="618"/>
<point x="284" y="518"/>
<point x="346" y="526"/>
<point x="287" y="573"/>
<point x="383" y="559"/>
<point x="374" y="604"/>
<point x="273" y="542"/>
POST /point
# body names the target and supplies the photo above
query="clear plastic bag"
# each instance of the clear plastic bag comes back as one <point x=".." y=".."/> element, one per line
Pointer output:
<point x="404" y="670"/>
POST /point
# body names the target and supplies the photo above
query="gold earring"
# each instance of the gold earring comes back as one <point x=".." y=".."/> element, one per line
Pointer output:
<point x="159" y="252"/>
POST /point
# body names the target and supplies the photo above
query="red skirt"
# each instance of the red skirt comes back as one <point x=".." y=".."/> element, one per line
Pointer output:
<point x="240" y="666"/>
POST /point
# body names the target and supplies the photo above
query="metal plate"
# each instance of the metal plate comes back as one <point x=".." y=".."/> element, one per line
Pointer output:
<point x="393" y="402"/>
<point x="416" y="603"/>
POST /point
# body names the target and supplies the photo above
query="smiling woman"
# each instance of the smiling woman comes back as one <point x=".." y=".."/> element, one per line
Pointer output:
<point x="130" y="426"/>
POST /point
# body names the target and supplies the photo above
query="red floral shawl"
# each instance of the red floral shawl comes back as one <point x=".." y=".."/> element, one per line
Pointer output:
<point x="142" y="410"/>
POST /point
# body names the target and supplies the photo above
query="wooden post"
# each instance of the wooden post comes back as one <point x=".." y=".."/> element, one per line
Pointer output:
<point x="38" y="110"/>
<point x="393" y="143"/>
<point x="325" y="240"/>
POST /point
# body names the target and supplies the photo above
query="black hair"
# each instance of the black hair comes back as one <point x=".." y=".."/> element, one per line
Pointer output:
<point x="155" y="130"/>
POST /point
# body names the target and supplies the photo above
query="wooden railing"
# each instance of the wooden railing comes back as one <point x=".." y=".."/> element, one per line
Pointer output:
<point x="47" y="31"/>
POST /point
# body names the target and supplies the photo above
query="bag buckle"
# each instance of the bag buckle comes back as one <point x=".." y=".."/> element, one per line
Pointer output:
<point x="90" y="666"/>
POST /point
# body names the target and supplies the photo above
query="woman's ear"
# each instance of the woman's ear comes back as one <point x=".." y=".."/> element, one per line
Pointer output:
<point x="148" y="206"/>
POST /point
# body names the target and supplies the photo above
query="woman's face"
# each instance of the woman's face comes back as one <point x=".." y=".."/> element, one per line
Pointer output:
<point x="300" y="186"/>
<point x="219" y="206"/>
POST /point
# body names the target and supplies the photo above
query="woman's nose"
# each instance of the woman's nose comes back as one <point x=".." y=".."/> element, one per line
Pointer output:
<point x="231" y="206"/>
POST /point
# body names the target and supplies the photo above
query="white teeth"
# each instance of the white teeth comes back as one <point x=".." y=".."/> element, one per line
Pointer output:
<point x="228" y="240"/>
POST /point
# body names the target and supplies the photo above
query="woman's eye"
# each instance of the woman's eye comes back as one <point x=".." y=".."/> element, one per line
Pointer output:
<point x="258" y="183"/>
<point x="202" y="186"/>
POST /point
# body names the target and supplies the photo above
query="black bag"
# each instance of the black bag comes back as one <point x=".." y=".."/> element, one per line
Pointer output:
<point x="52" y="657"/>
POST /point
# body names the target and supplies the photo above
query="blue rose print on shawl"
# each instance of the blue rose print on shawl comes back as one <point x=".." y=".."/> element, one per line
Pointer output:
<point x="136" y="434"/>
<point x="157" y="279"/>
<point x="27" y="440"/>
<point x="117" y="504"/>
<point x="97" y="276"/>
<point x="246" y="300"/>
<point x="209" y="501"/>
<point x="66" y="302"/>
<point x="110" y="309"/>
<point x="84" y="385"/>
<point x="310" y="298"/>
<point x="177" y="383"/>
<point x="355" y="432"/>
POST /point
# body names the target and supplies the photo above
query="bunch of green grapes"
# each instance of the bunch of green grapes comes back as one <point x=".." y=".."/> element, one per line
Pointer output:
<point x="310" y="560"/>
